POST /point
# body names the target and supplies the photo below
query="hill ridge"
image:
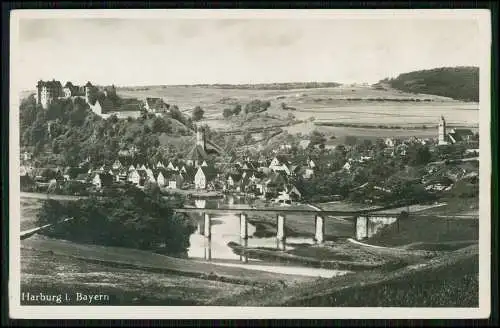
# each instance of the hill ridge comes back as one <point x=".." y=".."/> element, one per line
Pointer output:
<point x="458" y="82"/>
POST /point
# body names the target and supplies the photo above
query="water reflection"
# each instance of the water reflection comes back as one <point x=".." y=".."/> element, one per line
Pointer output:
<point x="225" y="228"/>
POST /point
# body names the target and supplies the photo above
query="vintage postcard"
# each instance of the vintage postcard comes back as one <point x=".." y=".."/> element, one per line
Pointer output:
<point x="249" y="164"/>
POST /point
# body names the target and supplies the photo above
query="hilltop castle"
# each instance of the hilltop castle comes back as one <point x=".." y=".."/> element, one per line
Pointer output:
<point x="48" y="91"/>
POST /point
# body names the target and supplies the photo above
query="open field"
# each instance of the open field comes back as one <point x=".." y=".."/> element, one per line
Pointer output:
<point x="330" y="104"/>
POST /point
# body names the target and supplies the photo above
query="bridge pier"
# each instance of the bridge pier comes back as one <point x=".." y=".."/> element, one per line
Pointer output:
<point x="200" y="230"/>
<point x="319" y="224"/>
<point x="208" y="237"/>
<point x="243" y="226"/>
<point x="280" y="234"/>
<point x="244" y="236"/>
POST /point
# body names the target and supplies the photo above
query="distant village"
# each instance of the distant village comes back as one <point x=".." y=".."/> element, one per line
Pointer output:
<point x="265" y="177"/>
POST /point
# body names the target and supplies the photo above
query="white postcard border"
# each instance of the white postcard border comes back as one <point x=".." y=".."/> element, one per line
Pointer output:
<point x="201" y="312"/>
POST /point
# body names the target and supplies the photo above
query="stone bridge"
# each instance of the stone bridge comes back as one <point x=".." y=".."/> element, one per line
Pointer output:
<point x="365" y="223"/>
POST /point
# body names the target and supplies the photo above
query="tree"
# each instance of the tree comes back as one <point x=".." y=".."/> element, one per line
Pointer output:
<point x="418" y="155"/>
<point x="198" y="113"/>
<point x="237" y="109"/>
<point x="247" y="138"/>
<point x="141" y="221"/>
<point x="256" y="106"/>
<point x="351" y="140"/>
<point x="340" y="151"/>
<point x="317" y="138"/>
<point x="228" y="112"/>
<point x="160" y="125"/>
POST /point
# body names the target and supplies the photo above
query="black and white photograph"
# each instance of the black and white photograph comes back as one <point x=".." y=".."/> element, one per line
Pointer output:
<point x="249" y="164"/>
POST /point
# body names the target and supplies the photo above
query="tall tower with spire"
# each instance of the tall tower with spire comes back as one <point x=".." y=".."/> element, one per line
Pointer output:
<point x="200" y="137"/>
<point x="442" y="131"/>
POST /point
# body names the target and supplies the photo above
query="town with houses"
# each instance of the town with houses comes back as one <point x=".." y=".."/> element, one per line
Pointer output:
<point x="200" y="172"/>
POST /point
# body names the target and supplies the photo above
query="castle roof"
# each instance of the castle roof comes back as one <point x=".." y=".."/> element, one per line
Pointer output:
<point x="49" y="84"/>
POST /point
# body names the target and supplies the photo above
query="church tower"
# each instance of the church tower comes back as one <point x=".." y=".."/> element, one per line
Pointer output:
<point x="200" y="137"/>
<point x="442" y="131"/>
<point x="88" y="92"/>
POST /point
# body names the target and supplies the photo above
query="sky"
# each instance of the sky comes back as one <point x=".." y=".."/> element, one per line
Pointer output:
<point x="156" y="51"/>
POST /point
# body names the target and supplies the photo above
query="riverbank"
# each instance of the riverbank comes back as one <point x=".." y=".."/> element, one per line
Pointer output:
<point x="450" y="279"/>
<point x="153" y="262"/>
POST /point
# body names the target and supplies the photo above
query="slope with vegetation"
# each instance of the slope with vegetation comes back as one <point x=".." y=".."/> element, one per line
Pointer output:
<point x="68" y="132"/>
<point x="460" y="83"/>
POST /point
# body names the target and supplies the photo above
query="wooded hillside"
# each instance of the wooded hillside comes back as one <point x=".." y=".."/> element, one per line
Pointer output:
<point x="460" y="83"/>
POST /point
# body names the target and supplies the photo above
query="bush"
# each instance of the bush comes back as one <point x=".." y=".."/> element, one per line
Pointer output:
<point x="228" y="112"/>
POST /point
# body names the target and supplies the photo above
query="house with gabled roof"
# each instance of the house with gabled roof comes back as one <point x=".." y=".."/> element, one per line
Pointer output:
<point x="204" y="176"/>
<point x="172" y="167"/>
<point x="160" y="177"/>
<point x="101" y="180"/>
<point x="150" y="174"/>
<point x="82" y="177"/>
<point x="248" y="165"/>
<point x="138" y="177"/>
<point x="175" y="180"/>
<point x="304" y="144"/>
<point x="459" y="135"/>
<point x="117" y="165"/>
<point x="232" y="180"/>
<point x="155" y="105"/>
<point x="188" y="173"/>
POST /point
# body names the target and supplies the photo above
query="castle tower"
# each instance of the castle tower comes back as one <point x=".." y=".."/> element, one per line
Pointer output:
<point x="442" y="132"/>
<point x="200" y="137"/>
<point x="47" y="91"/>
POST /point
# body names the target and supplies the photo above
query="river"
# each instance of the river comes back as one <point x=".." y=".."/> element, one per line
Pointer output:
<point x="225" y="229"/>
